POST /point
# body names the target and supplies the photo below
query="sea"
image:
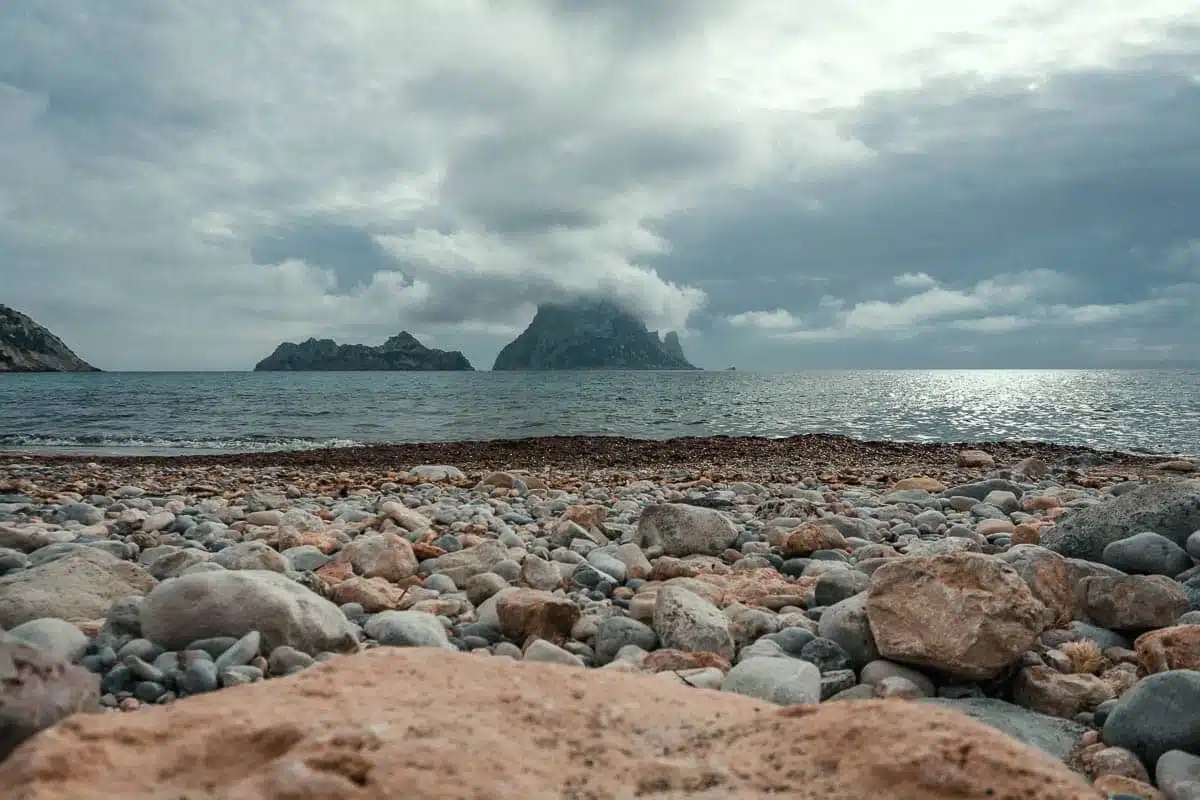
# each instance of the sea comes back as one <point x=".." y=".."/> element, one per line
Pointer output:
<point x="1155" y="411"/>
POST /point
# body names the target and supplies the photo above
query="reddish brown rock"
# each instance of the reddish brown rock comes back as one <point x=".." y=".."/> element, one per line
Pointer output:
<point x="968" y="615"/>
<point x="1132" y="602"/>
<point x="989" y="527"/>
<point x="1047" y="576"/>
<point x="591" y="516"/>
<point x="1024" y="533"/>
<point x="37" y="689"/>
<point x="395" y="722"/>
<point x="764" y="588"/>
<point x="676" y="660"/>
<point x="808" y="538"/>
<point x="322" y="540"/>
<point x="1177" y="647"/>
<point x="1040" y="502"/>
<point x="334" y="572"/>
<point x="526" y="613"/>
<point x="1051" y="692"/>
<point x="373" y="594"/>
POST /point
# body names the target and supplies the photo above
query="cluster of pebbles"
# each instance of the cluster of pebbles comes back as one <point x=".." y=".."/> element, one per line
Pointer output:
<point x="1062" y="608"/>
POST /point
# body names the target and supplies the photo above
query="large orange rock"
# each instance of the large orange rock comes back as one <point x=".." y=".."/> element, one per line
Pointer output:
<point x="1177" y="647"/>
<point x="426" y="723"/>
<point x="967" y="615"/>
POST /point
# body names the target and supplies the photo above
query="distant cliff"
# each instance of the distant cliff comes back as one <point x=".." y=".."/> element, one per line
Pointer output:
<point x="26" y="346"/>
<point x="590" y="334"/>
<point x="400" y="353"/>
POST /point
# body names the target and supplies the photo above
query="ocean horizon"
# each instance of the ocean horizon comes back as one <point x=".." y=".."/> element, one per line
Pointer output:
<point x="170" y="413"/>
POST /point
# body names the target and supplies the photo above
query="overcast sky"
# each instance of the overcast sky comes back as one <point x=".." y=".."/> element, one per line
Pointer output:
<point x="893" y="183"/>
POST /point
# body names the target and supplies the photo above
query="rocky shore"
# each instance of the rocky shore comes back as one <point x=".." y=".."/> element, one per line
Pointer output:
<point x="814" y="617"/>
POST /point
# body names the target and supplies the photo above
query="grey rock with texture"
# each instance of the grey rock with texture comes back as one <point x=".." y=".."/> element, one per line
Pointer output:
<point x="1160" y="713"/>
<point x="686" y="621"/>
<point x="57" y="637"/>
<point x="1054" y="736"/>
<point x="407" y="629"/>
<point x="846" y="623"/>
<point x="1147" y="553"/>
<point x="1169" y="508"/>
<point x="784" y="681"/>
<point x="613" y="633"/>
<point x="78" y="587"/>
<point x="235" y="602"/>
<point x="676" y="529"/>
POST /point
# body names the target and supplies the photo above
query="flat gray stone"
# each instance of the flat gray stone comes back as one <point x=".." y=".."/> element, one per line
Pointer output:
<point x="1054" y="736"/>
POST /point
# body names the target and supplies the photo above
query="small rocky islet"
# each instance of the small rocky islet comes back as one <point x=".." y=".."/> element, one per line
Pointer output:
<point x="973" y="629"/>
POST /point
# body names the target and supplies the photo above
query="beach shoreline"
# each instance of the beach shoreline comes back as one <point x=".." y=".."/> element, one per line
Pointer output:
<point x="743" y="454"/>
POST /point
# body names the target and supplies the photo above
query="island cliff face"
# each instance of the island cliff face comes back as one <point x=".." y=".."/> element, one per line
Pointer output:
<point x="400" y="353"/>
<point x="26" y="346"/>
<point x="590" y="334"/>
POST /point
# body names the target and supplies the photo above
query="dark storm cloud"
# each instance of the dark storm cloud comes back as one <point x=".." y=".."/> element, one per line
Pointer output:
<point x="1093" y="174"/>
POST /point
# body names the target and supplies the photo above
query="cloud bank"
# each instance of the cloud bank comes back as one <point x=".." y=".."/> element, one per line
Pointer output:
<point x="897" y="184"/>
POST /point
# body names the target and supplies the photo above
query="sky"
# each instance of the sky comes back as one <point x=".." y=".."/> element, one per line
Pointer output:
<point x="894" y="183"/>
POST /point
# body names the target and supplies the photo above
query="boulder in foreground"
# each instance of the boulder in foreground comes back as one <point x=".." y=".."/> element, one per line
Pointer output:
<point x="345" y="729"/>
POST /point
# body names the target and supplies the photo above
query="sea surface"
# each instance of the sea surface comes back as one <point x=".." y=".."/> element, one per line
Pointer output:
<point x="174" y="413"/>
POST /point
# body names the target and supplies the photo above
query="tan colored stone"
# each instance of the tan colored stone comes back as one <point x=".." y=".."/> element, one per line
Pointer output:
<point x="764" y="588"/>
<point x="968" y="615"/>
<point x="373" y="594"/>
<point x="1047" y="576"/>
<point x="395" y="722"/>
<point x="808" y="538"/>
<point x="1176" y="465"/>
<point x="1120" y="678"/>
<point x="1051" y="692"/>
<point x="1177" y="647"/>
<point x="989" y="527"/>
<point x="1024" y="533"/>
<point x="381" y="555"/>
<point x="676" y="660"/>
<point x="919" y="482"/>
<point x="1132" y="602"/>
<point x="1103" y="760"/>
<point x="1119" y="784"/>
<point x="322" y="540"/>
<point x="975" y="459"/>
<point x="590" y="516"/>
<point x="530" y="613"/>
<point x="1040" y="502"/>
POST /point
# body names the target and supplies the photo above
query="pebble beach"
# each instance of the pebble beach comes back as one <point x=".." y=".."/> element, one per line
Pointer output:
<point x="1048" y="596"/>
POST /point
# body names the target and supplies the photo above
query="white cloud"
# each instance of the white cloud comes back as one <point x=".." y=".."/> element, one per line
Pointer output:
<point x="914" y="280"/>
<point x="778" y="319"/>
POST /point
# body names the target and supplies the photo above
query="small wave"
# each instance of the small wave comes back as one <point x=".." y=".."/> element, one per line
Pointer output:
<point x="114" y="442"/>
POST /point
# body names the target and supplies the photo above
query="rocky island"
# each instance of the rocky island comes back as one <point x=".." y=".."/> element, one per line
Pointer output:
<point x="590" y="334"/>
<point x="25" y="346"/>
<point x="402" y="352"/>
